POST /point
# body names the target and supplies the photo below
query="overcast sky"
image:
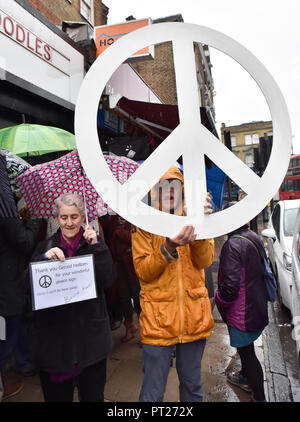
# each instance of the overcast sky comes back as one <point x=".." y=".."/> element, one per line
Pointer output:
<point x="268" y="28"/>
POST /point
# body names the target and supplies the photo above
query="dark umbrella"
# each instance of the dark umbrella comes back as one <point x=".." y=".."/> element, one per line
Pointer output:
<point x="14" y="166"/>
<point x="7" y="203"/>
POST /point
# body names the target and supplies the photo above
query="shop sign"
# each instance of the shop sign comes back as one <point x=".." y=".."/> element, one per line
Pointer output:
<point x="21" y="35"/>
<point x="107" y="35"/>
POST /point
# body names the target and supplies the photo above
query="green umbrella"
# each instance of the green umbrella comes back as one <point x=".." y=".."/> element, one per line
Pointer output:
<point x="28" y="139"/>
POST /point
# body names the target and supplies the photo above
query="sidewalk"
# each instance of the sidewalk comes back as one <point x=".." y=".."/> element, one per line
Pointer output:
<point x="124" y="371"/>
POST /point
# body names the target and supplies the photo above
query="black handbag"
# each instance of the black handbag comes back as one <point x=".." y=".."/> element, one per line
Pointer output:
<point x="135" y="147"/>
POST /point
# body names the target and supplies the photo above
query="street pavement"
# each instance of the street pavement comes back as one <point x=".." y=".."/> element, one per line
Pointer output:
<point x="124" y="368"/>
<point x="124" y="372"/>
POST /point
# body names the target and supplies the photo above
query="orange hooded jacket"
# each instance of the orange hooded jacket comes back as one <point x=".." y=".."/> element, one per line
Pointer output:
<point x="174" y="300"/>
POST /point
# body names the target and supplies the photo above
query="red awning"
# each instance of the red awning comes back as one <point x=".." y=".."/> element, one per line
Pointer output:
<point x="160" y="119"/>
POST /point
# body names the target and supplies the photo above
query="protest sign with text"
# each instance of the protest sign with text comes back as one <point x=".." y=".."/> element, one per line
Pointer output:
<point x="55" y="283"/>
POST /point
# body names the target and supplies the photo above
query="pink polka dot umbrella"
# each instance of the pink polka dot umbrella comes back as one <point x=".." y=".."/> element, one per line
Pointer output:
<point x="43" y="183"/>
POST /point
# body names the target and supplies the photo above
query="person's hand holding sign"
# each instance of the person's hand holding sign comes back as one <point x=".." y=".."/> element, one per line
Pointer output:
<point x="187" y="233"/>
<point x="55" y="253"/>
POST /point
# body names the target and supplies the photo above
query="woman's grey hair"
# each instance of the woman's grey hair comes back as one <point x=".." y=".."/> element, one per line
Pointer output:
<point x="69" y="199"/>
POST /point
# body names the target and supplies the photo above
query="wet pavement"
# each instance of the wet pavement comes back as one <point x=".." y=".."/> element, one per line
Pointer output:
<point x="124" y="371"/>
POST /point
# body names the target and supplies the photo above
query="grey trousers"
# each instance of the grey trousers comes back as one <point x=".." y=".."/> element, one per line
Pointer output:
<point x="156" y="365"/>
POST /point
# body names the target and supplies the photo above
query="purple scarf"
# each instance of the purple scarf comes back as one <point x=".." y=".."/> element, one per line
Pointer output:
<point x="71" y="247"/>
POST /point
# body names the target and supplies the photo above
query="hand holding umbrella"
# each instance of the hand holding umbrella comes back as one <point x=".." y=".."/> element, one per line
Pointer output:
<point x="90" y="235"/>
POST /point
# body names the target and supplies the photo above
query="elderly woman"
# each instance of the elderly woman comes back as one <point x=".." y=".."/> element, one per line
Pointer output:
<point x="71" y="342"/>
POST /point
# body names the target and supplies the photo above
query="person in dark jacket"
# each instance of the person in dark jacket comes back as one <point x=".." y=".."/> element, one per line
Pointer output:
<point x="17" y="242"/>
<point x="241" y="299"/>
<point x="126" y="275"/>
<point x="71" y="342"/>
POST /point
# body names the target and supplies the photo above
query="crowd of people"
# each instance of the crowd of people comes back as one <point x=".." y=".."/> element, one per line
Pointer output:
<point x="161" y="279"/>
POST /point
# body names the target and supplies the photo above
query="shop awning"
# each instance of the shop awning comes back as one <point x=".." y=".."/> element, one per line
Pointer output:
<point x="159" y="119"/>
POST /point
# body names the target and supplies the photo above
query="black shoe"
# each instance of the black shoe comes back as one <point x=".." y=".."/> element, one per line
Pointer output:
<point x="115" y="325"/>
<point x="236" y="378"/>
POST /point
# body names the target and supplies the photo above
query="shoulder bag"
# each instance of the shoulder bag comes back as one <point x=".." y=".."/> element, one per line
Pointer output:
<point x="268" y="276"/>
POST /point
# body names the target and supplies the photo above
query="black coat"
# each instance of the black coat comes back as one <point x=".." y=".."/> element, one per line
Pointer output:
<point x="17" y="242"/>
<point x="77" y="332"/>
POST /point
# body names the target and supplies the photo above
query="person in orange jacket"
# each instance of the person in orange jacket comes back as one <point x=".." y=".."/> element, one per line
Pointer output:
<point x="176" y="310"/>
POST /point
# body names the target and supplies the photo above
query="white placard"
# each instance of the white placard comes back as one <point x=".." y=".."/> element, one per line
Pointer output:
<point x="55" y="283"/>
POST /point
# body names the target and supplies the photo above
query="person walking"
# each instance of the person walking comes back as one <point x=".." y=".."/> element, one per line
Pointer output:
<point x="71" y="342"/>
<point x="175" y="308"/>
<point x="241" y="299"/>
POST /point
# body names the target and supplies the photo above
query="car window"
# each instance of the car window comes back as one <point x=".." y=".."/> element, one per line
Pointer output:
<point x="289" y="221"/>
<point x="276" y="220"/>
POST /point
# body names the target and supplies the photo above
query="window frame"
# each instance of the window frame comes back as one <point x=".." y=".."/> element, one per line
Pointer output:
<point x="89" y="5"/>
<point x="233" y="144"/>
<point x="247" y="136"/>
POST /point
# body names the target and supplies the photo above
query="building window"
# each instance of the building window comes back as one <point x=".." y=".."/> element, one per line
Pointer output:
<point x="249" y="160"/>
<point x="86" y="9"/>
<point x="248" y="140"/>
<point x="252" y="139"/>
<point x="233" y="141"/>
<point x="255" y="138"/>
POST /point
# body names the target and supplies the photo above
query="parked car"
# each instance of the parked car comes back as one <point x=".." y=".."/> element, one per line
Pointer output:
<point x="296" y="284"/>
<point x="279" y="236"/>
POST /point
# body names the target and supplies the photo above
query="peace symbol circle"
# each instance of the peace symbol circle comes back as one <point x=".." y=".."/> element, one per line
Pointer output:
<point x="190" y="139"/>
<point x="45" y="281"/>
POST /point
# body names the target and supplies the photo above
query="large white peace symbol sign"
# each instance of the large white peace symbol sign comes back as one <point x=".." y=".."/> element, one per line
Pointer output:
<point x="190" y="139"/>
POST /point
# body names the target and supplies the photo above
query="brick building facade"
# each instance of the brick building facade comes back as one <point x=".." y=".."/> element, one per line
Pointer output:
<point x="159" y="73"/>
<point x="93" y="12"/>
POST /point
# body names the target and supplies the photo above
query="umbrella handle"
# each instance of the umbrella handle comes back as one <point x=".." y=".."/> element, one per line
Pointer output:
<point x="86" y="216"/>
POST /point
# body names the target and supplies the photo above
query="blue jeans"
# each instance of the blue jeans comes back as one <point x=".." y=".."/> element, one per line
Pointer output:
<point x="156" y="365"/>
